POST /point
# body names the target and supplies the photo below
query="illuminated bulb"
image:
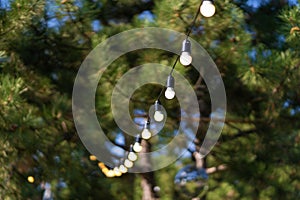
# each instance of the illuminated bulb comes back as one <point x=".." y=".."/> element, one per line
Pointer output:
<point x="128" y="163"/>
<point x="30" y="179"/>
<point x="117" y="172"/>
<point x="105" y="170"/>
<point x="132" y="156"/>
<point x="146" y="134"/>
<point x="101" y="165"/>
<point x="170" y="92"/>
<point x="137" y="147"/>
<point x="93" y="158"/>
<point x="158" y="114"/>
<point x="207" y="8"/>
<point x="123" y="169"/>
<point x="185" y="56"/>
<point x="110" y="173"/>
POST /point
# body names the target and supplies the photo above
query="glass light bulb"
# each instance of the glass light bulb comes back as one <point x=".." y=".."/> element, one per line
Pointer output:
<point x="207" y="8"/>
<point x="105" y="170"/>
<point x="110" y="173"/>
<point x="132" y="156"/>
<point x="128" y="163"/>
<point x="117" y="171"/>
<point x="185" y="58"/>
<point x="170" y="93"/>
<point x="123" y="169"/>
<point x="158" y="116"/>
<point x="30" y="179"/>
<point x="137" y="147"/>
<point x="146" y="134"/>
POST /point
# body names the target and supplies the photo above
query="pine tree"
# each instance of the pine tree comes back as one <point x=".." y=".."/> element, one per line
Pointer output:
<point x="257" y="51"/>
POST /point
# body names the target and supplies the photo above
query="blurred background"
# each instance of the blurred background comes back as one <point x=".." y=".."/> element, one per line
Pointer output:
<point x="256" y="47"/>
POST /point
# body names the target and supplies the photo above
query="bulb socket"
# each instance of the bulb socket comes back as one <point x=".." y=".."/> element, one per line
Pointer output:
<point x="157" y="106"/>
<point x="138" y="139"/>
<point x="211" y="1"/>
<point x="170" y="81"/>
<point x="186" y="46"/>
<point x="147" y="124"/>
<point x="131" y="148"/>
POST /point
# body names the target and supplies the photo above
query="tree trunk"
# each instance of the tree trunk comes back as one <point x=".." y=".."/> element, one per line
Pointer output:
<point x="148" y="181"/>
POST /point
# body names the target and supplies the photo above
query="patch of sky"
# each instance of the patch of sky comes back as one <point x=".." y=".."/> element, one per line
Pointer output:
<point x="255" y="4"/>
<point x="140" y="121"/>
<point x="280" y="40"/>
<point x="96" y="25"/>
<point x="120" y="139"/>
<point x="146" y="15"/>
<point x="252" y="54"/>
<point x="293" y="2"/>
<point x="293" y="110"/>
<point x="266" y="53"/>
<point x="214" y="44"/>
<point x="4" y="4"/>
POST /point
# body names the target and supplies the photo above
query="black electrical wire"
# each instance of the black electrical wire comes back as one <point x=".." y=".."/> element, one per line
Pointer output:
<point x="187" y="36"/>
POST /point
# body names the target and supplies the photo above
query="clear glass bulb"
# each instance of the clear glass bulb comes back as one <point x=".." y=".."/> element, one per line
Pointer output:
<point x="128" y="163"/>
<point x="137" y="147"/>
<point x="207" y="8"/>
<point x="110" y="173"/>
<point x="158" y="116"/>
<point x="123" y="169"/>
<point x="117" y="171"/>
<point x="170" y="93"/>
<point x="146" y="134"/>
<point x="185" y="58"/>
<point x="132" y="156"/>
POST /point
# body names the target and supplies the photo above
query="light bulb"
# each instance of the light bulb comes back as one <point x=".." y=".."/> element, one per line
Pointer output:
<point x="30" y="179"/>
<point x="105" y="170"/>
<point x="207" y="8"/>
<point x="128" y="163"/>
<point x="185" y="58"/>
<point x="132" y="156"/>
<point x="146" y="134"/>
<point x="110" y="173"/>
<point x="117" y="171"/>
<point x="170" y="93"/>
<point x="123" y="169"/>
<point x="137" y="147"/>
<point x="93" y="158"/>
<point x="158" y="116"/>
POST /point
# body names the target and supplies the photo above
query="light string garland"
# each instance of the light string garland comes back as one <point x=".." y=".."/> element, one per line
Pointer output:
<point x="207" y="9"/>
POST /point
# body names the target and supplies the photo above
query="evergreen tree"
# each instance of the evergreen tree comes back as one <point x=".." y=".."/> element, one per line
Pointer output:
<point x="42" y="45"/>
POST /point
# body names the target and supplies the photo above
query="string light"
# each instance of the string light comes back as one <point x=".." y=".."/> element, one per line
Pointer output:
<point x="137" y="147"/>
<point x="131" y="155"/>
<point x="30" y="179"/>
<point x="123" y="169"/>
<point x="128" y="164"/>
<point x="207" y="9"/>
<point x="93" y="158"/>
<point x="110" y="173"/>
<point x="185" y="56"/>
<point x="117" y="172"/>
<point x="146" y="134"/>
<point x="158" y="114"/>
<point x="170" y="92"/>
